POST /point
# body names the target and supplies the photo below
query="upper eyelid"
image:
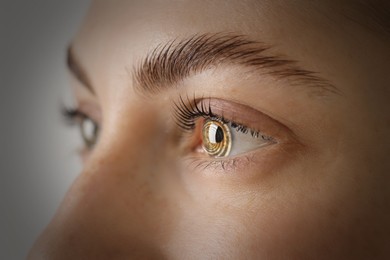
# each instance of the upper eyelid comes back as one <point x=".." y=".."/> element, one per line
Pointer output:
<point x="72" y="113"/>
<point x="249" y="117"/>
<point x="185" y="114"/>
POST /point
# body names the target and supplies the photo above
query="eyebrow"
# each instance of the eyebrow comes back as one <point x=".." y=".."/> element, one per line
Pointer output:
<point x="77" y="70"/>
<point x="174" y="61"/>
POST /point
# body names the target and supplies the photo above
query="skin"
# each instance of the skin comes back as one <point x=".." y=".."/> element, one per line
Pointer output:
<point x="321" y="192"/>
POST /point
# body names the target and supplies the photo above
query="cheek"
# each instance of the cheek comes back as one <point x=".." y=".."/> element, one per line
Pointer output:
<point x="297" y="213"/>
<point x="272" y="228"/>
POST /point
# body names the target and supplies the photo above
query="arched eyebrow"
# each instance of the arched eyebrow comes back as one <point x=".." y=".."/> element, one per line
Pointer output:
<point x="77" y="70"/>
<point x="176" y="60"/>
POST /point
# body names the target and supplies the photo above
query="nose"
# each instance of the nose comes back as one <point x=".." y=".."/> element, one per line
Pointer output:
<point x="118" y="207"/>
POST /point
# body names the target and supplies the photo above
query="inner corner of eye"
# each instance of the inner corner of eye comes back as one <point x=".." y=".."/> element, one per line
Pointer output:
<point x="196" y="135"/>
<point x="199" y="124"/>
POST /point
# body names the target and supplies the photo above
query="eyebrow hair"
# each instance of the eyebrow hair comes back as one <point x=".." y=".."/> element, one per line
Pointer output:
<point x="176" y="60"/>
<point x="77" y="70"/>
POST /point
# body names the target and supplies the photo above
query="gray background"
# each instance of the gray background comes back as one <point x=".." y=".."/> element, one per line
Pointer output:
<point x="38" y="158"/>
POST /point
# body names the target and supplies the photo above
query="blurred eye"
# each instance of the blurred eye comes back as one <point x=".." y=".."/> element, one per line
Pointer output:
<point x="223" y="139"/>
<point x="89" y="131"/>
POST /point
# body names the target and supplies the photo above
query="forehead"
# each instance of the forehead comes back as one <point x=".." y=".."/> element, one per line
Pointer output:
<point x="117" y="34"/>
<point x="183" y="17"/>
<point x="369" y="13"/>
<point x="141" y="25"/>
<point x="268" y="20"/>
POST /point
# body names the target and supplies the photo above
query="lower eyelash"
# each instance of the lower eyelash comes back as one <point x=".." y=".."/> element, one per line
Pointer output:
<point x="230" y="164"/>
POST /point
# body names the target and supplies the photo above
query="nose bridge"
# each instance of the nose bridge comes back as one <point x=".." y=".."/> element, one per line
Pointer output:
<point x="116" y="202"/>
<point x="135" y="136"/>
<point x="127" y="154"/>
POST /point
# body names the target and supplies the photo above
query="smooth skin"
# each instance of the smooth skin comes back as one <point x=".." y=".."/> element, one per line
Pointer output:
<point x="321" y="192"/>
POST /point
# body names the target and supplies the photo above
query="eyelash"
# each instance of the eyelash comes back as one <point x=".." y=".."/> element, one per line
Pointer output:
<point x="186" y="114"/>
<point x="71" y="116"/>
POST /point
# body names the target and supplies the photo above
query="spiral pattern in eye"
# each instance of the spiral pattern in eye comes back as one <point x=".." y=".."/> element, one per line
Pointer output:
<point x="216" y="138"/>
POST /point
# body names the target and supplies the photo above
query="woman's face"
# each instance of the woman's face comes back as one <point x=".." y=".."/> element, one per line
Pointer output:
<point x="228" y="130"/>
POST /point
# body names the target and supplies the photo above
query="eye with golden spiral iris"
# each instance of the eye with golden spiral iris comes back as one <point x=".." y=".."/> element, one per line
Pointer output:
<point x="218" y="134"/>
<point x="216" y="138"/>
<point x="221" y="138"/>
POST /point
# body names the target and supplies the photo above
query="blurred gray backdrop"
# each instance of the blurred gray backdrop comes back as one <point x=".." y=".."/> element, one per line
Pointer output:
<point x="38" y="159"/>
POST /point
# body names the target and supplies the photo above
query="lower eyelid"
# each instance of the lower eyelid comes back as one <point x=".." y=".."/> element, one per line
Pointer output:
<point x="217" y="165"/>
<point x="248" y="168"/>
<point x="234" y="164"/>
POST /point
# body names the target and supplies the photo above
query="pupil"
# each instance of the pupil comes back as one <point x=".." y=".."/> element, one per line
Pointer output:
<point x="219" y="135"/>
